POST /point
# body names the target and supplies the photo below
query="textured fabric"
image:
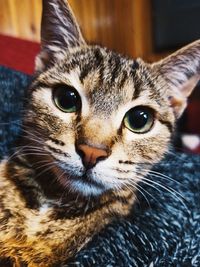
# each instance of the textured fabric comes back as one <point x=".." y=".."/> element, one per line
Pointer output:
<point x="12" y="96"/>
<point x="163" y="229"/>
<point x="163" y="233"/>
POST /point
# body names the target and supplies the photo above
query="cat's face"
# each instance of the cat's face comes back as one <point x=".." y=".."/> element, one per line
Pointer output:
<point x="103" y="119"/>
<point x="97" y="98"/>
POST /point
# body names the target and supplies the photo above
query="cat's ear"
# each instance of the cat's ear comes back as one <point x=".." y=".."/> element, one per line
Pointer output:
<point x="59" y="32"/>
<point x="181" y="70"/>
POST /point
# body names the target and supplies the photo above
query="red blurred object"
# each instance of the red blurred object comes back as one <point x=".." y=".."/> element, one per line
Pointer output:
<point x="193" y="117"/>
<point x="18" y="54"/>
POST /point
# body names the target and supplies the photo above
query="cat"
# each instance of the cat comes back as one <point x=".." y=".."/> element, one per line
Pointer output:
<point x="95" y="124"/>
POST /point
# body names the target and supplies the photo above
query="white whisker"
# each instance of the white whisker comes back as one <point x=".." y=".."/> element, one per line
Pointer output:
<point x="173" y="192"/>
<point x="44" y="165"/>
<point x="138" y="188"/>
<point x="46" y="169"/>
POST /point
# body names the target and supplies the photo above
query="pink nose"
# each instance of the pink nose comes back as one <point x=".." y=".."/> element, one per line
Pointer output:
<point x="90" y="155"/>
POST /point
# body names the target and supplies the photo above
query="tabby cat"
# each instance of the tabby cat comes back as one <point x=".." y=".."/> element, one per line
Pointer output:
<point x="95" y="124"/>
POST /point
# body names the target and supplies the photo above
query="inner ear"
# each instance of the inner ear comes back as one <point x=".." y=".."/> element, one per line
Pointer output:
<point x="189" y="85"/>
<point x="59" y="32"/>
<point x="179" y="96"/>
<point x="181" y="71"/>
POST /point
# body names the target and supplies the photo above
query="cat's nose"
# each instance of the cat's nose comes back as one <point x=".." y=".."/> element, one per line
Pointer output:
<point x="91" y="155"/>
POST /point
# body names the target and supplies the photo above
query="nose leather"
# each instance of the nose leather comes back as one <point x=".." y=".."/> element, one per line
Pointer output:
<point x="90" y="155"/>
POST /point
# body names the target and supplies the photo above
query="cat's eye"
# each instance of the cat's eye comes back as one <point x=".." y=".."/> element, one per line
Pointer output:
<point x="66" y="98"/>
<point x="139" y="119"/>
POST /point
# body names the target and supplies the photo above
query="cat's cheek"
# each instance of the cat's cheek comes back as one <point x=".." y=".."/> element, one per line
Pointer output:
<point x="111" y="173"/>
<point x="148" y="147"/>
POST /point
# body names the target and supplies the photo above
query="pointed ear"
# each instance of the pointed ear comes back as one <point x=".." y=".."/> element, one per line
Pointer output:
<point x="59" y="32"/>
<point x="181" y="71"/>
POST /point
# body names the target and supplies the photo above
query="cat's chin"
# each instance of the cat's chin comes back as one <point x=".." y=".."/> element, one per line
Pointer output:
<point x="87" y="185"/>
<point x="86" y="188"/>
<point x="84" y="184"/>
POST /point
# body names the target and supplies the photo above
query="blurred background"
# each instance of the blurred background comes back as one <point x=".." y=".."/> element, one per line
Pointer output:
<point x="150" y="29"/>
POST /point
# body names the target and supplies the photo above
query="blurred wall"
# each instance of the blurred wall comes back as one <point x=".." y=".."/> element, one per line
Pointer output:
<point x="122" y="25"/>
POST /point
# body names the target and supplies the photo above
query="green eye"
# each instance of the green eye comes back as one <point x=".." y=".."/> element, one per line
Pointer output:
<point x="66" y="98"/>
<point x="139" y="119"/>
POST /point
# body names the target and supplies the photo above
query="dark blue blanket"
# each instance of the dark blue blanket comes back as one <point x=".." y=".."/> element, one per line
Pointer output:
<point x="163" y="229"/>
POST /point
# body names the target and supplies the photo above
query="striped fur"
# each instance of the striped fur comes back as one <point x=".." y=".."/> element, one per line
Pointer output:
<point x="50" y="206"/>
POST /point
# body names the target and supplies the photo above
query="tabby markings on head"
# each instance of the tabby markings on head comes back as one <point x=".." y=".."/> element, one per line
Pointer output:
<point x="99" y="109"/>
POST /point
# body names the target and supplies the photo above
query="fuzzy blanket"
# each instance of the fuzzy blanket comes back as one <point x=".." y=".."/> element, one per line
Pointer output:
<point x="163" y="229"/>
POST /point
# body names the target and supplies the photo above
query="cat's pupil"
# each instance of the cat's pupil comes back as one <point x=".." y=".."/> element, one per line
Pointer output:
<point x="139" y="119"/>
<point x="66" y="98"/>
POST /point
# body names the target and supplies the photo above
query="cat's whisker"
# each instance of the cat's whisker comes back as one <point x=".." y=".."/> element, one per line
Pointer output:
<point x="173" y="192"/>
<point x="33" y="132"/>
<point x="57" y="178"/>
<point x="53" y="178"/>
<point x="140" y="189"/>
<point x="130" y="187"/>
<point x="34" y="138"/>
<point x="31" y="154"/>
<point x="45" y="170"/>
<point x="153" y="184"/>
<point x="28" y="149"/>
<point x="25" y="150"/>
<point x="39" y="162"/>
<point x="60" y="201"/>
<point x="44" y="165"/>
<point x="140" y="186"/>
<point x="157" y="183"/>
<point x="69" y="188"/>
<point x="36" y="151"/>
<point x="160" y="175"/>
<point x="148" y="172"/>
<point x="14" y="153"/>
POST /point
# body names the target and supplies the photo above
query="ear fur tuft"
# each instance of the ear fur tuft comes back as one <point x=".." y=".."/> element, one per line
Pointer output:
<point x="181" y="71"/>
<point x="59" y="32"/>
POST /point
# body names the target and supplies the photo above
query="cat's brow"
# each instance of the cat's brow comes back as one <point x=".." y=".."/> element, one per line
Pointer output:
<point x="38" y="85"/>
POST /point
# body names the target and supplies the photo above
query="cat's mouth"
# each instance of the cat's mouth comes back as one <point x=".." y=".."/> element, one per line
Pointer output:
<point x="87" y="184"/>
<point x="87" y="178"/>
<point x="84" y="182"/>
